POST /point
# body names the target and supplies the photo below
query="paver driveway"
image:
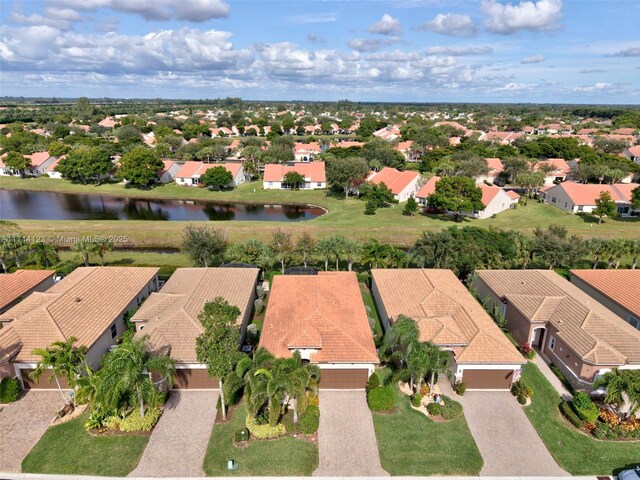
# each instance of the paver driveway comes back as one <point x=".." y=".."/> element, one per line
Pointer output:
<point x="347" y="440"/>
<point x="509" y="444"/>
<point x="179" y="441"/>
<point x="22" y="423"/>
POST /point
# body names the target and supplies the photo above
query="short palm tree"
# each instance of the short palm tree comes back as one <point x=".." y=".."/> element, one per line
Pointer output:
<point x="44" y="254"/>
<point x="439" y="362"/>
<point x="103" y="246"/>
<point x="325" y="249"/>
<point x="397" y="341"/>
<point x="622" y="389"/>
<point x="125" y="378"/>
<point x="419" y="363"/>
<point x="84" y="249"/>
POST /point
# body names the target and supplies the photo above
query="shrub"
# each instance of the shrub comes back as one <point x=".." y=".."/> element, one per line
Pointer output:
<point x="570" y="415"/>
<point x="584" y="407"/>
<point x="556" y="371"/>
<point x="96" y="419"/>
<point x="451" y="409"/>
<point x="520" y="390"/>
<point x="528" y="351"/>
<point x="374" y="382"/>
<point x="416" y="399"/>
<point x="434" y="408"/>
<point x="310" y="421"/>
<point x="266" y="430"/>
<point x="380" y="399"/>
<point x="134" y="422"/>
<point x="424" y="389"/>
<point x="9" y="390"/>
<point x="313" y="400"/>
<point x="522" y="400"/>
<point x="609" y="417"/>
<point x="460" y="388"/>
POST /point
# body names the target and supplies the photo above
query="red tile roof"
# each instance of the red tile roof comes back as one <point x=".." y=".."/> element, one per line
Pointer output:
<point x="586" y="194"/>
<point x="495" y="165"/>
<point x="396" y="180"/>
<point x="428" y="188"/>
<point x="14" y="285"/>
<point x="192" y="169"/>
<point x="38" y="158"/>
<point x="313" y="171"/>
<point x="621" y="286"/>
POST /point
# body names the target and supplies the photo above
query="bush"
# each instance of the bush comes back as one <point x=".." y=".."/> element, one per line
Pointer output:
<point x="451" y="409"/>
<point x="522" y="400"/>
<point x="434" y="408"/>
<point x="310" y="421"/>
<point x="584" y="407"/>
<point x="520" y="390"/>
<point x="424" y="389"/>
<point x="528" y="351"/>
<point x="374" y="382"/>
<point x="556" y="371"/>
<point x="266" y="430"/>
<point x="460" y="388"/>
<point x="134" y="422"/>
<point x="313" y="400"/>
<point x="9" y="390"/>
<point x="570" y="415"/>
<point x="380" y="399"/>
<point x="416" y="399"/>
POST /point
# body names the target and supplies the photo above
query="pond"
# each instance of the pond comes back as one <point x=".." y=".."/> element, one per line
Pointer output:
<point x="33" y="205"/>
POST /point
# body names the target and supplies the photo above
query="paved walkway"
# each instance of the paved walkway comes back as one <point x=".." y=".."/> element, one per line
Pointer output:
<point x="553" y="380"/>
<point x="179" y="441"/>
<point x="509" y="444"/>
<point x="22" y="423"/>
<point x="347" y="440"/>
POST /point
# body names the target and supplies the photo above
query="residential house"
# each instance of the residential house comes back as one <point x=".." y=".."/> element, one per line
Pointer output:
<point x="191" y="171"/>
<point x="448" y="316"/>
<point x="169" y="172"/>
<point x="633" y="153"/>
<point x="313" y="173"/>
<point x="408" y="150"/>
<point x="427" y="189"/>
<point x="38" y="164"/>
<point x="390" y="133"/>
<point x="575" y="197"/>
<point x="495" y="200"/>
<point x="89" y="304"/>
<point x="618" y="290"/>
<point x="495" y="168"/>
<point x="402" y="184"/>
<point x="569" y="328"/>
<point x="625" y="131"/>
<point x="51" y="168"/>
<point x="18" y="285"/>
<point x="107" y="122"/>
<point x="503" y="138"/>
<point x="556" y="170"/>
<point x="306" y="152"/>
<point x="324" y="318"/>
<point x="170" y="317"/>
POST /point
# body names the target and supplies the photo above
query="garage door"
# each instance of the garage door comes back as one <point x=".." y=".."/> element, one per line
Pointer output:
<point x="194" y="378"/>
<point x="344" y="378"/>
<point x="43" y="383"/>
<point x="488" y="379"/>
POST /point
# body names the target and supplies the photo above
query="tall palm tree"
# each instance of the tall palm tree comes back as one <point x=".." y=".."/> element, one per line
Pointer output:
<point x="634" y="251"/>
<point x="103" y="246"/>
<point x="616" y="249"/>
<point x="63" y="359"/>
<point x="324" y="248"/>
<point x="44" y="254"/>
<point x="12" y="246"/>
<point x="622" y="389"/>
<point x="85" y="248"/>
<point x="125" y="378"/>
<point x="338" y="243"/>
<point x="419" y="363"/>
<point x="352" y="251"/>
<point x="597" y="248"/>
<point x="397" y="341"/>
<point x="439" y="362"/>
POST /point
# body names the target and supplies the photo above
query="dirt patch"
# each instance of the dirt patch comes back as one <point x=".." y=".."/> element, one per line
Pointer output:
<point x="65" y="415"/>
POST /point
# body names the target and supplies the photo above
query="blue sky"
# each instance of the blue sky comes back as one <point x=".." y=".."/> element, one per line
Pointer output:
<point x="574" y="51"/>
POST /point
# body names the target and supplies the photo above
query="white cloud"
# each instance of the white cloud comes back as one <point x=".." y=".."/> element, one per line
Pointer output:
<point x="627" y="52"/>
<point x="527" y="15"/>
<point x="365" y="44"/>
<point x="313" y="18"/>
<point x="62" y="18"/>
<point x="593" y="88"/>
<point x="533" y="59"/>
<point x="592" y="70"/>
<point x="451" y="24"/>
<point x="459" y="51"/>
<point x="108" y="25"/>
<point x="387" y="25"/>
<point x="315" y="38"/>
<point x="516" y="87"/>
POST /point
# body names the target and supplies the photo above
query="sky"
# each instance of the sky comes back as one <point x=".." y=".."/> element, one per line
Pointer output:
<point x="540" y="51"/>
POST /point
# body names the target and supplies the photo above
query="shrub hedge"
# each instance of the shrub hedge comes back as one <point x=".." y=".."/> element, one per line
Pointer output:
<point x="266" y="430"/>
<point x="134" y="422"/>
<point x="460" y="388"/>
<point x="584" y="407"/>
<point x="380" y="399"/>
<point x="416" y="399"/>
<point x="9" y="390"/>
<point x="451" y="409"/>
<point x="310" y="420"/>
<point x="373" y="382"/>
<point x="434" y="408"/>
<point x="570" y="415"/>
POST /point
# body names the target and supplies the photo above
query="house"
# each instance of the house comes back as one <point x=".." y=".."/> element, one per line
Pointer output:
<point x="495" y="168"/>
<point x="170" y="317"/>
<point x="528" y="130"/>
<point x="20" y="284"/>
<point x="191" y="171"/>
<point x="38" y="164"/>
<point x="51" y="168"/>
<point x="575" y="197"/>
<point x="306" y="152"/>
<point x="89" y="304"/>
<point x="495" y="200"/>
<point x="618" y="290"/>
<point x="390" y="133"/>
<point x="625" y="131"/>
<point x="503" y="138"/>
<point x="323" y="317"/>
<point x="569" y="328"/>
<point x="107" y="122"/>
<point x="407" y="149"/>
<point x="313" y="173"/>
<point x="448" y="316"/>
<point x="633" y="153"/>
<point x="556" y="170"/>
<point x="402" y="184"/>
<point x="426" y="190"/>
<point x="169" y="172"/>
<point x="222" y="132"/>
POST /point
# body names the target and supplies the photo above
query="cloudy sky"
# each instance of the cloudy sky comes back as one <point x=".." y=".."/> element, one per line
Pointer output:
<point x="575" y="51"/>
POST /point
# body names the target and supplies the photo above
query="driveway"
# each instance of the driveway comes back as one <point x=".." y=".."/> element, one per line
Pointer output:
<point x="22" y="423"/>
<point x="509" y="444"/>
<point x="179" y="441"/>
<point x="347" y="440"/>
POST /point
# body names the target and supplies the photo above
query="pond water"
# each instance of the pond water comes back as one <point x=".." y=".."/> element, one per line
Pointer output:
<point x="33" y="205"/>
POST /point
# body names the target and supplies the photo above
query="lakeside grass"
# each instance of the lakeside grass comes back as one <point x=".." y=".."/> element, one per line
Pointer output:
<point x="345" y="217"/>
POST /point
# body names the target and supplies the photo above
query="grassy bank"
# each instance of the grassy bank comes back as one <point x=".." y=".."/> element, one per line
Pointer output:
<point x="344" y="217"/>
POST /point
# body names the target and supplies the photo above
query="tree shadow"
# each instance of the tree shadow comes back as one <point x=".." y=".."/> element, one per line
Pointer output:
<point x="588" y="218"/>
<point x="122" y="261"/>
<point x="631" y="466"/>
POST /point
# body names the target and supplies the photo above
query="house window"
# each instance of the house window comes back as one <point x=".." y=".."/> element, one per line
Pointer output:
<point x="114" y="331"/>
<point x="319" y="184"/>
<point x="634" y="321"/>
<point x="552" y="344"/>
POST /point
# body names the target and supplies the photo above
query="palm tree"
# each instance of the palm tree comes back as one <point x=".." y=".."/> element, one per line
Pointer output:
<point x="103" y="246"/>
<point x="44" y="254"/>
<point x="324" y="248"/>
<point x="398" y="339"/>
<point x="85" y="248"/>
<point x="616" y="249"/>
<point x="418" y="363"/>
<point x="634" y="250"/>
<point x="439" y="362"/>
<point x="352" y="251"/>
<point x="125" y="378"/>
<point x="337" y="248"/>
<point x="375" y="253"/>
<point x="12" y="246"/>
<point x="597" y="248"/>
<point x="63" y="359"/>
<point x="622" y="389"/>
<point x="396" y="257"/>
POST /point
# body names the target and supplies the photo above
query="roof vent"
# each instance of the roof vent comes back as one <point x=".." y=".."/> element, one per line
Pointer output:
<point x="78" y="300"/>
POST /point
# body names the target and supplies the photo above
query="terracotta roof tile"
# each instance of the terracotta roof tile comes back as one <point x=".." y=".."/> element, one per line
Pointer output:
<point x="14" y="285"/>
<point x="394" y="179"/>
<point x="621" y="286"/>
<point x="314" y="171"/>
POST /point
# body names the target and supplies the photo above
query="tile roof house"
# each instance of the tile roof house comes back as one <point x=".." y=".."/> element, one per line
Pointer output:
<point x="191" y="171"/>
<point x="448" y="316"/>
<point x="17" y="285"/>
<point x="89" y="304"/>
<point x="402" y="184"/>
<point x="495" y="200"/>
<point x="170" y="317"/>
<point x="427" y="189"/>
<point x="169" y="171"/>
<point x="38" y="164"/>
<point x="313" y="173"/>
<point x="571" y="329"/>
<point x="323" y="317"/>
<point x="306" y="152"/>
<point x="556" y="170"/>
<point x="618" y="290"/>
<point x="390" y="133"/>
<point x="495" y="168"/>
<point x="633" y="153"/>
<point x="575" y="197"/>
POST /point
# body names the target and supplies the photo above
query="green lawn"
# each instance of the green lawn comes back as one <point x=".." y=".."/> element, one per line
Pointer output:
<point x="274" y="458"/>
<point x="139" y="257"/>
<point x="68" y="449"/>
<point x="344" y="216"/>
<point x="412" y="444"/>
<point x="575" y="452"/>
